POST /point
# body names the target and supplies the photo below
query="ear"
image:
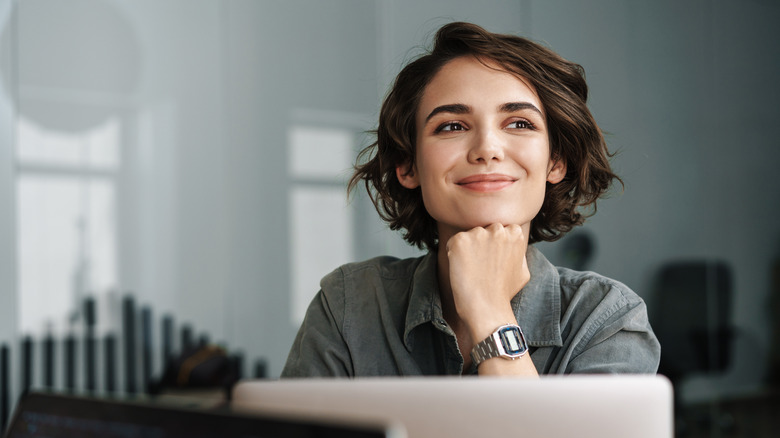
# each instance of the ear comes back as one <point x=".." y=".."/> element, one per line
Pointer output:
<point x="557" y="171"/>
<point x="407" y="176"/>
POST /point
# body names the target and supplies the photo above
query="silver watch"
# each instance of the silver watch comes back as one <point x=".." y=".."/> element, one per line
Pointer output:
<point x="507" y="342"/>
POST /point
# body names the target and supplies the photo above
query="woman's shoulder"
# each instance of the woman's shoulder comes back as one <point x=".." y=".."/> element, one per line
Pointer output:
<point x="571" y="278"/>
<point x="596" y="288"/>
<point x="382" y="267"/>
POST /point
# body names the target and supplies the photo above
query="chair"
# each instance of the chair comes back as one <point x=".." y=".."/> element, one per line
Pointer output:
<point x="691" y="320"/>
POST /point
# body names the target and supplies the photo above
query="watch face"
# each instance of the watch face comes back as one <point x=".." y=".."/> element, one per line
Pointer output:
<point x="512" y="340"/>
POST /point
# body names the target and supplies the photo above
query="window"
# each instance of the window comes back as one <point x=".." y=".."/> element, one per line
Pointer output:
<point x="320" y="161"/>
<point x="67" y="221"/>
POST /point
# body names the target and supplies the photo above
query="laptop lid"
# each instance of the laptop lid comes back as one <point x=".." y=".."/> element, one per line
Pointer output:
<point x="583" y="406"/>
<point x="61" y="416"/>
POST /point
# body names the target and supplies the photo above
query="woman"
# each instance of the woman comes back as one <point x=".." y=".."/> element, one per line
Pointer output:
<point x="484" y="146"/>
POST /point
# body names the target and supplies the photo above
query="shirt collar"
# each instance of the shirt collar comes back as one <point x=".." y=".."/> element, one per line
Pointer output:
<point x="424" y="299"/>
<point x="537" y="307"/>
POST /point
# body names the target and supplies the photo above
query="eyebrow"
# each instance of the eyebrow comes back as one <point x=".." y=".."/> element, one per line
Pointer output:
<point x="510" y="107"/>
<point x="454" y="108"/>
<point x="459" y="108"/>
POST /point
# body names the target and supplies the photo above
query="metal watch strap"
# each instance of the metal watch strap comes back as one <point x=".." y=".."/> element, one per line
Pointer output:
<point x="492" y="346"/>
<point x="485" y="350"/>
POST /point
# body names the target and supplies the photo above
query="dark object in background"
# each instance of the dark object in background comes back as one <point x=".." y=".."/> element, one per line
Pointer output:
<point x="216" y="372"/>
<point x="48" y="361"/>
<point x="146" y="346"/>
<point x="577" y="250"/>
<point x="774" y="317"/>
<point x="27" y="363"/>
<point x="90" y="368"/>
<point x="128" y="323"/>
<point x="5" y="388"/>
<point x="692" y="320"/>
<point x="261" y="369"/>
<point x="167" y="338"/>
<point x="207" y="366"/>
<point x="70" y="363"/>
<point x="109" y="346"/>
<point x="237" y="365"/>
<point x="186" y="338"/>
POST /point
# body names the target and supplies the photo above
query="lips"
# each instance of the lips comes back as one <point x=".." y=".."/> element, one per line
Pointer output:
<point x="486" y="182"/>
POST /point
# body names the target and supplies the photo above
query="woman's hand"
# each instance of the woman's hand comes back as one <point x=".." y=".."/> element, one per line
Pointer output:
<point x="487" y="267"/>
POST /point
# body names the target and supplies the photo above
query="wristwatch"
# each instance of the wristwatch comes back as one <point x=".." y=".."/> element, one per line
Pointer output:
<point x="507" y="342"/>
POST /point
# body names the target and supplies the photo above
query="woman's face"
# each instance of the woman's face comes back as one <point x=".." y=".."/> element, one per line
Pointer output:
<point x="483" y="154"/>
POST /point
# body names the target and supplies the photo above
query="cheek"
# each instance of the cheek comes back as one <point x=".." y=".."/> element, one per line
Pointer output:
<point x="535" y="160"/>
<point x="433" y="165"/>
<point x="431" y="197"/>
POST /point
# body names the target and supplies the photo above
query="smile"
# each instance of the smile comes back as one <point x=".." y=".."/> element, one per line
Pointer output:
<point x="486" y="182"/>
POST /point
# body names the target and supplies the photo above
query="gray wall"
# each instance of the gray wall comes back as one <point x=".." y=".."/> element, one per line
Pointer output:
<point x="281" y="57"/>
<point x="686" y="91"/>
<point x="7" y="228"/>
<point x="6" y="189"/>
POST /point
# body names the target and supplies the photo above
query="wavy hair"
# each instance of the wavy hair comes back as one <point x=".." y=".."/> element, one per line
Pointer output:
<point x="573" y="134"/>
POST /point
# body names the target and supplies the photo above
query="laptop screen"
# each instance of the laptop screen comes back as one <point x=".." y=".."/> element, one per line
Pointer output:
<point x="60" y="416"/>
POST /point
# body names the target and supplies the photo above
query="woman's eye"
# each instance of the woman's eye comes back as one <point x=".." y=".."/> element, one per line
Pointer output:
<point x="450" y="127"/>
<point x="521" y="124"/>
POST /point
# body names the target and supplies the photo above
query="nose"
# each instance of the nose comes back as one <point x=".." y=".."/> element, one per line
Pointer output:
<point x="486" y="147"/>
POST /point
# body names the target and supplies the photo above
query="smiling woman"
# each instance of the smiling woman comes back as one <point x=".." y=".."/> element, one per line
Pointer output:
<point x="484" y="147"/>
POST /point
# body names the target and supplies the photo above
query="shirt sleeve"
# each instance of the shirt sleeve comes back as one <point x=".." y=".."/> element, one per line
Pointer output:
<point x="617" y="339"/>
<point x="319" y="349"/>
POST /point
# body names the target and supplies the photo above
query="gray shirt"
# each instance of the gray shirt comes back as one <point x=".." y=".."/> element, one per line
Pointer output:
<point x="383" y="317"/>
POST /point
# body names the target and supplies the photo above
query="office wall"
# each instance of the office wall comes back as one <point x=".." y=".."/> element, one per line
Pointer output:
<point x="7" y="226"/>
<point x="175" y="219"/>
<point x="288" y="63"/>
<point x="8" y="299"/>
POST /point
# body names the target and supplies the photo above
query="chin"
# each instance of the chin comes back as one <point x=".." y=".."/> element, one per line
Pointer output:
<point x="485" y="221"/>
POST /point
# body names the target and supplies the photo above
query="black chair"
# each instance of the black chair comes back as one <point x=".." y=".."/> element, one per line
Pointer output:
<point x="691" y="318"/>
<point x="774" y="310"/>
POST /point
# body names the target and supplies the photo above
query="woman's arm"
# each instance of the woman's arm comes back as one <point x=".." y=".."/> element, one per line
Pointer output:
<point x="617" y="338"/>
<point x="487" y="267"/>
<point x="319" y="349"/>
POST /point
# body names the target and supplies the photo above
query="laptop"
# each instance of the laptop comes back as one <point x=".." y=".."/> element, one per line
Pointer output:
<point x="63" y="416"/>
<point x="603" y="406"/>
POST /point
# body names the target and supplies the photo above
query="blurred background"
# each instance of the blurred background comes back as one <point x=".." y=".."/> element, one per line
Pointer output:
<point x="193" y="154"/>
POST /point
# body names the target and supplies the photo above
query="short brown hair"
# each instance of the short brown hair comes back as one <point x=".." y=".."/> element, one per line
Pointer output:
<point x="573" y="134"/>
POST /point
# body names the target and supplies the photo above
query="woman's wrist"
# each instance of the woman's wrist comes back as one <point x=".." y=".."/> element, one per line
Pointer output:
<point x="480" y="327"/>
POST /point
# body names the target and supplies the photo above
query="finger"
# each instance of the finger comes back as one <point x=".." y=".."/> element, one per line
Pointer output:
<point x="514" y="230"/>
